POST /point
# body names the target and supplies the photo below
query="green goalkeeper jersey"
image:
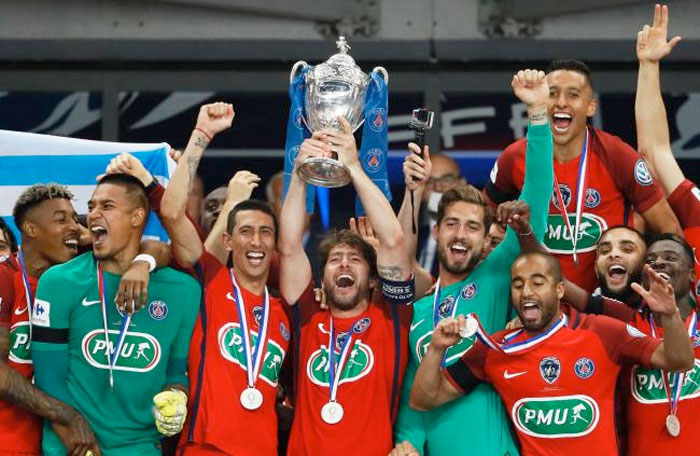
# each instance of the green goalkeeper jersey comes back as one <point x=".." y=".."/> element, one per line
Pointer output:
<point x="475" y="423"/>
<point x="69" y="350"/>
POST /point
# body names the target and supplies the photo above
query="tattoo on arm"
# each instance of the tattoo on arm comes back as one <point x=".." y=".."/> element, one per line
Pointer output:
<point x="192" y="164"/>
<point x="18" y="390"/>
<point x="202" y="143"/>
<point x="539" y="117"/>
<point x="391" y="272"/>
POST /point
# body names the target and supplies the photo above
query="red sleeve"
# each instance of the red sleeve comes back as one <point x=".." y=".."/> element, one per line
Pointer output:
<point x="307" y="304"/>
<point x="685" y="202"/>
<point x="629" y="171"/>
<point x="7" y="292"/>
<point x="624" y="343"/>
<point x="209" y="266"/>
<point x="469" y="370"/>
<point x="155" y="196"/>
<point x="273" y="277"/>
<point x="601" y="305"/>
<point x="502" y="185"/>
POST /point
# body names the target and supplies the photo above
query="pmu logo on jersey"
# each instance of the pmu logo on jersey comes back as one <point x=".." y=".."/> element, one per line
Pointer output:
<point x="445" y="307"/>
<point x="558" y="238"/>
<point x="469" y="291"/>
<point x="565" y="196"/>
<point x="556" y="417"/>
<point x="373" y="160"/>
<point x="377" y="119"/>
<point x="231" y="348"/>
<point x="550" y="369"/>
<point x="19" y="343"/>
<point x="642" y="174"/>
<point x="647" y="385"/>
<point x="158" y="310"/>
<point x="592" y="199"/>
<point x="584" y="368"/>
<point x="360" y="362"/>
<point x="140" y="352"/>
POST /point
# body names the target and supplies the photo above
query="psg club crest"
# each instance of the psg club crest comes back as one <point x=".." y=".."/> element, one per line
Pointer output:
<point x="592" y="198"/>
<point x="158" y="310"/>
<point x="293" y="153"/>
<point x="469" y="291"/>
<point x="298" y="118"/>
<point x="565" y="196"/>
<point x="550" y="368"/>
<point x="377" y="119"/>
<point x="373" y="160"/>
<point x="257" y="314"/>
<point x="584" y="368"/>
<point x="361" y="326"/>
<point x="445" y="307"/>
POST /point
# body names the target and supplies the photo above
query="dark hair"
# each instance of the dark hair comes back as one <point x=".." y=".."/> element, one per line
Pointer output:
<point x="687" y="249"/>
<point x="134" y="188"/>
<point x="551" y="261"/>
<point x="625" y="227"/>
<point x="354" y="240"/>
<point x="34" y="196"/>
<point x="469" y="194"/>
<point x="571" y="65"/>
<point x="9" y="235"/>
<point x="250" y="205"/>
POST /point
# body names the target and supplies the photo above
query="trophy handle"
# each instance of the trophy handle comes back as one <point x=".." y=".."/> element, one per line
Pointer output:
<point x="295" y="68"/>
<point x="382" y="71"/>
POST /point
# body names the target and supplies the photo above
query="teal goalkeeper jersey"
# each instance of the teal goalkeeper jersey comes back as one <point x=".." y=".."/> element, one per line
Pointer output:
<point x="70" y="357"/>
<point x="475" y="423"/>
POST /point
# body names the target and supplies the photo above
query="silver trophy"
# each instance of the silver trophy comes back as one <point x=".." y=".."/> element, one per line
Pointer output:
<point x="335" y="88"/>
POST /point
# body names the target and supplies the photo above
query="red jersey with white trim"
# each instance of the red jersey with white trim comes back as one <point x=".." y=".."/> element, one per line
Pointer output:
<point x="365" y="388"/>
<point x="559" y="392"/>
<point x="647" y="403"/>
<point x="20" y="429"/>
<point x="617" y="177"/>
<point x="217" y="368"/>
<point x="685" y="202"/>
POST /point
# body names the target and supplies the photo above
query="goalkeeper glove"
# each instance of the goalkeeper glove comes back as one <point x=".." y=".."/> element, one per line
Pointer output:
<point x="170" y="411"/>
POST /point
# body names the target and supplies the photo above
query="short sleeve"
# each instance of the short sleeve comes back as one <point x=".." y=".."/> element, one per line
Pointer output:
<point x="469" y="370"/>
<point x="501" y="185"/>
<point x="207" y="265"/>
<point x="177" y="364"/>
<point x="52" y="305"/>
<point x="307" y="304"/>
<point x="685" y="202"/>
<point x="623" y="341"/>
<point x="601" y="305"/>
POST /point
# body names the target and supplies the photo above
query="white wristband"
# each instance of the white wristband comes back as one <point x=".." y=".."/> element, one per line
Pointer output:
<point x="147" y="258"/>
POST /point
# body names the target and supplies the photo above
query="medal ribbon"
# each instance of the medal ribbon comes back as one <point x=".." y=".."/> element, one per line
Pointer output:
<point x="580" y="193"/>
<point x="112" y="355"/>
<point x="674" y="393"/>
<point x="253" y="358"/>
<point x="337" y="371"/>
<point x="508" y="347"/>
<point x="27" y="290"/>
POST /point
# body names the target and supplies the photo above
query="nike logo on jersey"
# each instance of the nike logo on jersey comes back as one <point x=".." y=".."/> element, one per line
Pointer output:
<point x="415" y="325"/>
<point x="230" y="297"/>
<point x="87" y="303"/>
<point x="507" y="375"/>
<point x="19" y="311"/>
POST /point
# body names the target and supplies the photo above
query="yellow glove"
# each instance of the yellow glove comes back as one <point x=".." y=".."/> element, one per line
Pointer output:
<point x="170" y="411"/>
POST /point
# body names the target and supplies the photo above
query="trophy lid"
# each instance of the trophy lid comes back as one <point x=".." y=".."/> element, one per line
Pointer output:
<point x="340" y="66"/>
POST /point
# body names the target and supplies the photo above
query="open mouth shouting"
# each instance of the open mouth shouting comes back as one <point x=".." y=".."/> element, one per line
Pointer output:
<point x="99" y="234"/>
<point x="459" y="251"/>
<point x="617" y="275"/>
<point x="530" y="311"/>
<point x="344" y="282"/>
<point x="561" y="121"/>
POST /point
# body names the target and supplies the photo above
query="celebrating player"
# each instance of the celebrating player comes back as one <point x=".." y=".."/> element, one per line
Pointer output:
<point x="106" y="363"/>
<point x="351" y="358"/>
<point x="467" y="285"/>
<point x="597" y="176"/>
<point x="557" y="375"/>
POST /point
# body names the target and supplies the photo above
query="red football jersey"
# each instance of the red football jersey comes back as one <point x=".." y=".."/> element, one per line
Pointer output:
<point x="685" y="202"/>
<point x="217" y="374"/>
<point x="20" y="429"/>
<point x="559" y="389"/>
<point x="365" y="388"/>
<point x="647" y="404"/>
<point x="617" y="177"/>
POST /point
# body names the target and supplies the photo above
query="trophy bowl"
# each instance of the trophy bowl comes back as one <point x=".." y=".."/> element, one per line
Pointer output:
<point x="335" y="88"/>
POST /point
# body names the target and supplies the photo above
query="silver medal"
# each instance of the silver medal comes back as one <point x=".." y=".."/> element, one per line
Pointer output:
<point x="673" y="425"/>
<point x="469" y="328"/>
<point x="332" y="412"/>
<point x="251" y="398"/>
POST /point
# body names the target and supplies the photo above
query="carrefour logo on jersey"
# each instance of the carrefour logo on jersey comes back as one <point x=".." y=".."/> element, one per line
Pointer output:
<point x="556" y="417"/>
<point x="231" y="348"/>
<point x="648" y="385"/>
<point x="360" y="362"/>
<point x="140" y="352"/>
<point x="558" y="238"/>
<point x="19" y="343"/>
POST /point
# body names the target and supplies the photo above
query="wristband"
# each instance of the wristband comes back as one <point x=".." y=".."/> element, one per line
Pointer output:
<point x="204" y="133"/>
<point x="150" y="187"/>
<point x="147" y="258"/>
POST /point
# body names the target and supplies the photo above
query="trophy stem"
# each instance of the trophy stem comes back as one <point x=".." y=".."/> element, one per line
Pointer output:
<point x="324" y="172"/>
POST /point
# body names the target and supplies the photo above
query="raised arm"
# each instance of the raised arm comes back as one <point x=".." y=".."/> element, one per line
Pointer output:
<point x="187" y="246"/>
<point x="675" y="352"/>
<point x="392" y="261"/>
<point x="652" y="125"/>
